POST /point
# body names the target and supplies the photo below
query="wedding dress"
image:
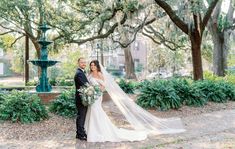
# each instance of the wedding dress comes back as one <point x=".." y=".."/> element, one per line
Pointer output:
<point x="99" y="127"/>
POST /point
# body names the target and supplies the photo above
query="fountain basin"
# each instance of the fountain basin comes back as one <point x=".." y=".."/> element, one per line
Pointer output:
<point x="44" y="27"/>
<point x="43" y="63"/>
<point x="44" y="43"/>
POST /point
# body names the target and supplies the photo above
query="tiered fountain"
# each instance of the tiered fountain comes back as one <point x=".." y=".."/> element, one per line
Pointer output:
<point x="43" y="62"/>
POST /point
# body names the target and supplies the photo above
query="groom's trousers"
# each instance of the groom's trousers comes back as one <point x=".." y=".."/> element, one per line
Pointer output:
<point x="81" y="116"/>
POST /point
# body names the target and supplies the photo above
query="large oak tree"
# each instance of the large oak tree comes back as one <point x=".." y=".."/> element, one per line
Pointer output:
<point x="221" y="26"/>
<point x="194" y="29"/>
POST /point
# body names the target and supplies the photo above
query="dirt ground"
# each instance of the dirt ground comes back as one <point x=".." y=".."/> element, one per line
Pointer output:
<point x="208" y="127"/>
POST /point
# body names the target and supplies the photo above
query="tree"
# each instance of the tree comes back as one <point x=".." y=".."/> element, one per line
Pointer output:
<point x="16" y="52"/>
<point x="88" y="20"/>
<point x="21" y="17"/>
<point x="194" y="29"/>
<point x="220" y="26"/>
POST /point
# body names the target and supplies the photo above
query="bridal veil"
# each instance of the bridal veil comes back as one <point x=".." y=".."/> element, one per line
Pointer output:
<point x="139" y="118"/>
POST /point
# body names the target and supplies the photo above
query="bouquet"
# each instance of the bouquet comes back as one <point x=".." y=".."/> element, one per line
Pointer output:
<point x="89" y="93"/>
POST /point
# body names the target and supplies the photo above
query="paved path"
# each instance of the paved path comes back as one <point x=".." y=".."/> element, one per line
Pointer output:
<point x="214" y="130"/>
<point x="12" y="81"/>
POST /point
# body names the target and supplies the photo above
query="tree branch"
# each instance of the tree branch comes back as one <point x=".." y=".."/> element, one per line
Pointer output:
<point x="208" y="14"/>
<point x="136" y="30"/>
<point x="229" y="28"/>
<point x="12" y="30"/>
<point x="16" y="40"/>
<point x="171" y="13"/>
<point x="108" y="18"/>
<point x="147" y="35"/>
<point x="6" y="33"/>
<point x="146" y="23"/>
<point x="110" y="31"/>
<point x="163" y="40"/>
<point x="125" y="45"/>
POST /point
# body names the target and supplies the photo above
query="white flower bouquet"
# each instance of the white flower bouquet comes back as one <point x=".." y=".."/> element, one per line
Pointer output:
<point x="89" y="94"/>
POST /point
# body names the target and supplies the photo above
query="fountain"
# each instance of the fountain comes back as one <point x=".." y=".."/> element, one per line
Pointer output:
<point x="43" y="62"/>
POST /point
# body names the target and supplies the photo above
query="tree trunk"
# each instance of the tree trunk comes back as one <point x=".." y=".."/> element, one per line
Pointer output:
<point x="129" y="64"/>
<point x="226" y="47"/>
<point x="220" y="39"/>
<point x="218" y="64"/>
<point x="37" y="47"/>
<point x="38" y="50"/>
<point x="102" y="53"/>
<point x="26" y="59"/>
<point x="196" y="55"/>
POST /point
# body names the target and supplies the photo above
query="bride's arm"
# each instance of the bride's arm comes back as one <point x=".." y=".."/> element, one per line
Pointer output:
<point x="101" y="76"/>
<point x="102" y="87"/>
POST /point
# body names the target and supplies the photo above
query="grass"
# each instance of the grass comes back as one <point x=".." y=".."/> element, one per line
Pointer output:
<point x="148" y="147"/>
<point x="168" y="143"/>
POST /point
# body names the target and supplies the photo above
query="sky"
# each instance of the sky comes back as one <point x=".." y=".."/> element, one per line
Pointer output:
<point x="225" y="5"/>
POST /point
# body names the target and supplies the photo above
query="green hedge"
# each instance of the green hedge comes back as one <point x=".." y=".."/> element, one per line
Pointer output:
<point x="2" y="98"/>
<point x="229" y="77"/>
<point x="189" y="94"/>
<point x="64" y="105"/>
<point x="158" y="94"/>
<point x="60" y="81"/>
<point x="127" y="86"/>
<point x="23" y="107"/>
<point x="173" y="93"/>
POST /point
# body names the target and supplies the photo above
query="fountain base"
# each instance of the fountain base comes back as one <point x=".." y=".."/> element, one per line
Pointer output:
<point x="47" y="97"/>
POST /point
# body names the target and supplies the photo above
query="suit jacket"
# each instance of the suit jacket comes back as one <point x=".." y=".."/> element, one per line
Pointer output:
<point x="80" y="79"/>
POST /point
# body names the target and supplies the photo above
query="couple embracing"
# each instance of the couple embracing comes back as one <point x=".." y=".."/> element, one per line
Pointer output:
<point x="94" y="125"/>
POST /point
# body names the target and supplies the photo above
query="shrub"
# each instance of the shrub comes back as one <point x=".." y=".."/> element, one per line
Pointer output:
<point x="2" y="98"/>
<point x="32" y="83"/>
<point x="64" y="105"/>
<point x="126" y="86"/>
<point x="195" y="98"/>
<point x="158" y="94"/>
<point x="61" y="81"/>
<point x="230" y="78"/>
<point x="182" y="88"/>
<point x="188" y="94"/>
<point x="52" y="81"/>
<point x="23" y="107"/>
<point x="64" y="81"/>
<point x="139" y="85"/>
<point x="208" y="75"/>
<point x="228" y="89"/>
<point x="212" y="90"/>
<point x="166" y="94"/>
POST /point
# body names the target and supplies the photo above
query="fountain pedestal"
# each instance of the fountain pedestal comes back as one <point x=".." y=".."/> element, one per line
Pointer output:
<point x="43" y="62"/>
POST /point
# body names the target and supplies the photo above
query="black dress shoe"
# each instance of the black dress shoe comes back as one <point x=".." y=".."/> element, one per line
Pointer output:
<point x="81" y="137"/>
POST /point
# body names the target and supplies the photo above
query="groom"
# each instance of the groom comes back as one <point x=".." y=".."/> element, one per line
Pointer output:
<point x="80" y="80"/>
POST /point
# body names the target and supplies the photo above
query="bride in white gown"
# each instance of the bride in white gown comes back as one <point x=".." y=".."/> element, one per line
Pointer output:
<point x="99" y="127"/>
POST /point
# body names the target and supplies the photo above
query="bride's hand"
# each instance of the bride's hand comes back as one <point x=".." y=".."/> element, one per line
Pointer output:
<point x="102" y="88"/>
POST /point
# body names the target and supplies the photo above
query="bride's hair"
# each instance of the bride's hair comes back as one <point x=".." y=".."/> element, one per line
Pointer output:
<point x="97" y="64"/>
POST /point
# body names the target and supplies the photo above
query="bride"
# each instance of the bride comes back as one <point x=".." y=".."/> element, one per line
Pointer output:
<point x="99" y="127"/>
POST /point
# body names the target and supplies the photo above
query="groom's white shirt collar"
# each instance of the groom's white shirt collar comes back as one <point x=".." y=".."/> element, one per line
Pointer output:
<point x="82" y="69"/>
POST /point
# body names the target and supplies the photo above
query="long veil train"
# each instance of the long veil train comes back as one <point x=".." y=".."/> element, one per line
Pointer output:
<point x="139" y="118"/>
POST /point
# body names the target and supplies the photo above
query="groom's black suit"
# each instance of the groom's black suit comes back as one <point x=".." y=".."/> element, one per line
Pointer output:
<point x="80" y="79"/>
